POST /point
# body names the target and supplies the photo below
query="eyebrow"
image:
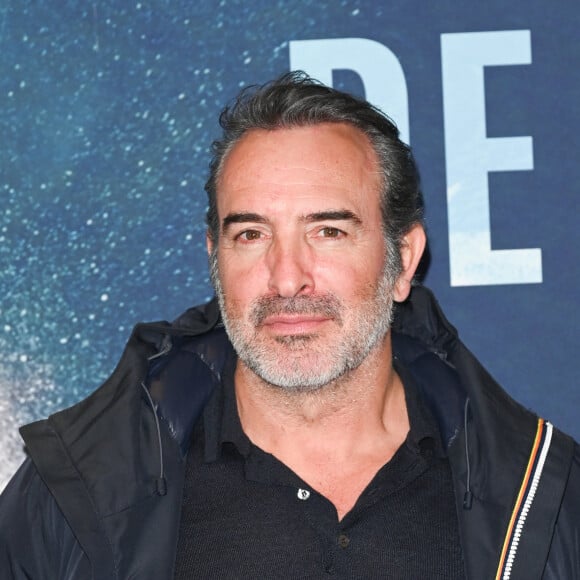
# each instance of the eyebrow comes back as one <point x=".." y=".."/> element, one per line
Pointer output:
<point x="333" y="215"/>
<point x="241" y="218"/>
<point x="328" y="215"/>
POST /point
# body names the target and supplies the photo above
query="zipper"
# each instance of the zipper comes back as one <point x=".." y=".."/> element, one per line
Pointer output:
<point x="525" y="499"/>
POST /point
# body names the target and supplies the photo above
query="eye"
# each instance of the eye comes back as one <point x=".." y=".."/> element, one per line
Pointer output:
<point x="249" y="235"/>
<point x="330" y="232"/>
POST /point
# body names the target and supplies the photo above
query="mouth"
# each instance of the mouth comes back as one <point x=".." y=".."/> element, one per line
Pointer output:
<point x="294" y="324"/>
<point x="299" y="316"/>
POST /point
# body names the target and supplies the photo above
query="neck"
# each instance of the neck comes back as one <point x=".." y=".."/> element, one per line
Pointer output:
<point x="337" y="438"/>
<point x="353" y="412"/>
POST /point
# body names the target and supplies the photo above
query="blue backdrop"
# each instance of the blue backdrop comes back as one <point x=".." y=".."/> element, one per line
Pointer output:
<point x="107" y="111"/>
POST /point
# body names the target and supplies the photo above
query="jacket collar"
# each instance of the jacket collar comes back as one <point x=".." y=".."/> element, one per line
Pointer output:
<point x="200" y="348"/>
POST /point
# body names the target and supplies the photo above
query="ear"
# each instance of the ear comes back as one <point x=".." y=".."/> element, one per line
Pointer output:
<point x="208" y="242"/>
<point x="412" y="247"/>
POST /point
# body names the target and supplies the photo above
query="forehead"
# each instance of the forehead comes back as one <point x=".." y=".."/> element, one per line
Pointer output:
<point x="329" y="161"/>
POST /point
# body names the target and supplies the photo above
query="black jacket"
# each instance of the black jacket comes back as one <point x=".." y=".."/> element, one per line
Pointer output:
<point x="100" y="495"/>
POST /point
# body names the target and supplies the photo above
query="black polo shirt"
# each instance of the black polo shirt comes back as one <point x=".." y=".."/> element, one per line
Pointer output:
<point x="246" y="515"/>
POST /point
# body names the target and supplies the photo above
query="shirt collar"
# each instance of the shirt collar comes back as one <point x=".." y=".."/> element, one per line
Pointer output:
<point x="423" y="436"/>
<point x="221" y="420"/>
<point x="222" y="426"/>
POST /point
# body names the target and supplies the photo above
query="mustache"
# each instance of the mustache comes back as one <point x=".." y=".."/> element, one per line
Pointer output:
<point x="328" y="306"/>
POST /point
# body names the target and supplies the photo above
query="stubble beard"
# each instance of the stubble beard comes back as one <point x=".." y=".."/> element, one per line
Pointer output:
<point x="306" y="362"/>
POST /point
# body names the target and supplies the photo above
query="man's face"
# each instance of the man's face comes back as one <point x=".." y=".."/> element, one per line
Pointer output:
<point x="300" y="265"/>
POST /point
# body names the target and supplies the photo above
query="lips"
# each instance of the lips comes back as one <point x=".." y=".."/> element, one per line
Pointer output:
<point x="294" y="323"/>
<point x="296" y="312"/>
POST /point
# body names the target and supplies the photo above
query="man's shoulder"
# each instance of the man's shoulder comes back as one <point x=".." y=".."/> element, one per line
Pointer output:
<point x="151" y="347"/>
<point x="110" y="421"/>
<point x="107" y="451"/>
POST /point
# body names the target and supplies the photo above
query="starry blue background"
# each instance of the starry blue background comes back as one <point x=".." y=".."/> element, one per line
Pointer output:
<point x="107" y="111"/>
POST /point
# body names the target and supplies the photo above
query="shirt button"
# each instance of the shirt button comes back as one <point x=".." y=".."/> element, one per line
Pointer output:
<point x="303" y="494"/>
<point x="343" y="541"/>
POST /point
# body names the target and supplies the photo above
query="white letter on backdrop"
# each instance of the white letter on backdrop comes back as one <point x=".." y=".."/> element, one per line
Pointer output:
<point x="378" y="68"/>
<point x="470" y="155"/>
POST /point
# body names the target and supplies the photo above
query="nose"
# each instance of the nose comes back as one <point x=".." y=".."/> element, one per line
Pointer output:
<point x="290" y="269"/>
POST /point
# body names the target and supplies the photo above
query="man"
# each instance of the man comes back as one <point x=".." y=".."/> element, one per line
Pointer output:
<point x="337" y="426"/>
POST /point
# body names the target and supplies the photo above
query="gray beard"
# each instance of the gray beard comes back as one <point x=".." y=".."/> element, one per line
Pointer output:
<point x="295" y="372"/>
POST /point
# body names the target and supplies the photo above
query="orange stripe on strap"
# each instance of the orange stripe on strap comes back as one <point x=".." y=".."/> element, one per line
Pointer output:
<point x="520" y="498"/>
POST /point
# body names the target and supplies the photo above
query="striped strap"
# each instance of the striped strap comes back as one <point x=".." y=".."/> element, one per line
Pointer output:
<point x="525" y="498"/>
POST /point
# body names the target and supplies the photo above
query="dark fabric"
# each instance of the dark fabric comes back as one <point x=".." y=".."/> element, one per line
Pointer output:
<point x="36" y="542"/>
<point x="128" y="489"/>
<point x="246" y="515"/>
<point x="404" y="525"/>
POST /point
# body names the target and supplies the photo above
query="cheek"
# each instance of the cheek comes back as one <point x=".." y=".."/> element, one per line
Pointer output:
<point x="239" y="284"/>
<point x="357" y="276"/>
